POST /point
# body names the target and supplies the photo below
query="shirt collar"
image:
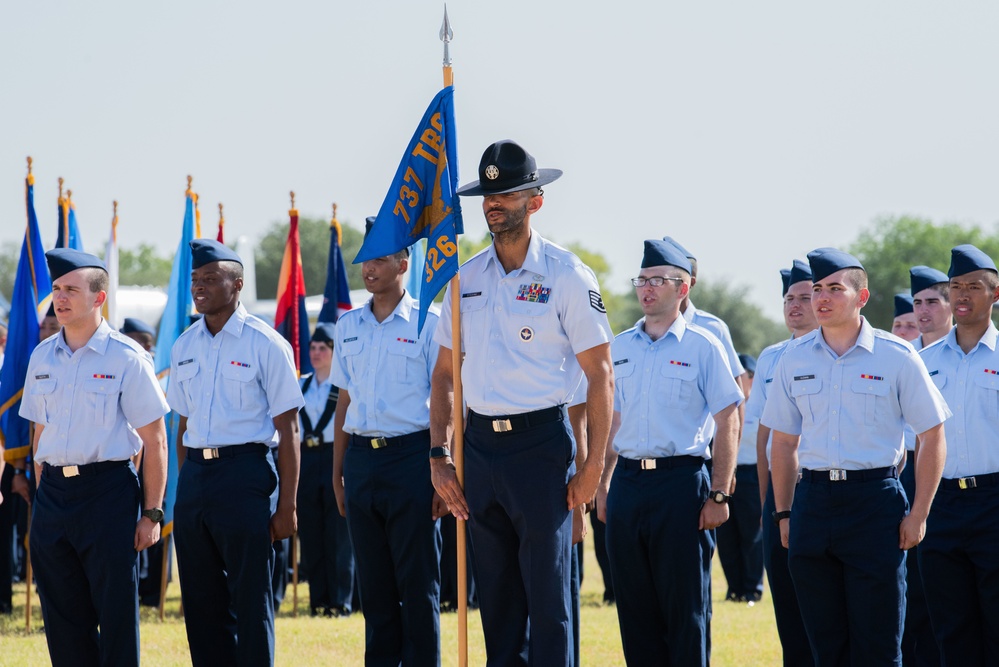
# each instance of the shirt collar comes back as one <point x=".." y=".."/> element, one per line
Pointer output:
<point x="98" y="342"/>
<point x="688" y="315"/>
<point x="403" y="309"/>
<point x="534" y="262"/>
<point x="233" y="326"/>
<point x="865" y="340"/>
<point x="988" y="339"/>
<point x="678" y="328"/>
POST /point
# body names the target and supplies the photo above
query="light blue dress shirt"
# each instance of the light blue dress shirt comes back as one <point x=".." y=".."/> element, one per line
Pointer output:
<point x="850" y="410"/>
<point x="231" y="386"/>
<point x="90" y="401"/>
<point x="521" y="330"/>
<point x="970" y="384"/>
<point x="667" y="390"/>
<point x="316" y="397"/>
<point x="385" y="367"/>
<point x="766" y="364"/>
<point x="717" y="326"/>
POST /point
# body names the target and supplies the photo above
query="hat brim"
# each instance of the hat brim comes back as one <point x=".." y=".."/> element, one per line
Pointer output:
<point x="475" y="188"/>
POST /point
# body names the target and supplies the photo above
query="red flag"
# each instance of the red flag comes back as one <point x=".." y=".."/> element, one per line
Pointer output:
<point x="291" y="319"/>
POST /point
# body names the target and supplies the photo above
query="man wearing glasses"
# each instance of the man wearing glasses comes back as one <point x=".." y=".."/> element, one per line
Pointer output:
<point x="656" y="495"/>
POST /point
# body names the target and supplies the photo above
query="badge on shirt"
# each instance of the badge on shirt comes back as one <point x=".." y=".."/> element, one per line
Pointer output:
<point x="673" y="362"/>
<point x="185" y="362"/>
<point x="991" y="372"/>
<point x="42" y="377"/>
<point x="596" y="303"/>
<point x="469" y="295"/>
<point x="240" y="364"/>
<point x="534" y="293"/>
<point x="865" y="376"/>
<point x="804" y="377"/>
<point x="527" y="334"/>
<point x="350" y="340"/>
<point x="103" y="376"/>
<point x="620" y="361"/>
<point x="407" y="340"/>
<point x="932" y="373"/>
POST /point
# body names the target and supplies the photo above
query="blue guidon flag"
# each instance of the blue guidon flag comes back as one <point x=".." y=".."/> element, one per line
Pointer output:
<point x="421" y="202"/>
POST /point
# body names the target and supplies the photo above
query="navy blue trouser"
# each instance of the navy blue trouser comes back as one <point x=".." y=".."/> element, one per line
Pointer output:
<point x="600" y="551"/>
<point x="327" y="557"/>
<point x="848" y="569"/>
<point x="919" y="646"/>
<point x="740" y="539"/>
<point x="661" y="563"/>
<point x="516" y="488"/>
<point x="790" y="627"/>
<point x="225" y="557"/>
<point x="959" y="561"/>
<point x="397" y="546"/>
<point x="84" y="560"/>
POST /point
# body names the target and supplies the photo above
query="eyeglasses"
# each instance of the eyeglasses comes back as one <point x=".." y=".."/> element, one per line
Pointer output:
<point x="655" y="281"/>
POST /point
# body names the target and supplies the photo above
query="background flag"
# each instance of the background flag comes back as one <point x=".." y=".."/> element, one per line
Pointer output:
<point x="175" y="320"/>
<point x="220" y="237"/>
<point x="417" y="259"/>
<point x="110" y="308"/>
<point x="421" y="203"/>
<point x="69" y="230"/>
<point x="31" y="298"/>
<point x="291" y="319"/>
<point x="336" y="297"/>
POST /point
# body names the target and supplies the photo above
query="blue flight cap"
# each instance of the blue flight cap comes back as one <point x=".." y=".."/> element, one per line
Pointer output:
<point x="135" y="325"/>
<point x="63" y="260"/>
<point x="924" y="277"/>
<point x="903" y="304"/>
<point x="206" y="251"/>
<point x="800" y="271"/>
<point x="826" y="261"/>
<point x="324" y="333"/>
<point x="967" y="258"/>
<point x="662" y="253"/>
<point x="785" y="279"/>
<point x="748" y="362"/>
<point x="686" y="253"/>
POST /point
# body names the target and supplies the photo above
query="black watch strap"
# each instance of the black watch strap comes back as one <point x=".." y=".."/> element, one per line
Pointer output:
<point x="780" y="516"/>
<point x="439" y="452"/>
<point x="719" y="496"/>
<point x="154" y="514"/>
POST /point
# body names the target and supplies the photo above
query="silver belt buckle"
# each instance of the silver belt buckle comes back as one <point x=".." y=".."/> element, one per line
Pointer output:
<point x="208" y="454"/>
<point x="837" y="475"/>
<point x="71" y="471"/>
<point x="378" y="443"/>
<point x="648" y="464"/>
<point x="966" y="483"/>
<point x="502" y="426"/>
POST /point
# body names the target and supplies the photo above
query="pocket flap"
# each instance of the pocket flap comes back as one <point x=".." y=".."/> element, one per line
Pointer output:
<point x="875" y="387"/>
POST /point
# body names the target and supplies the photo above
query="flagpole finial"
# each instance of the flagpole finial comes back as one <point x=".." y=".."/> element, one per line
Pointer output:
<point x="190" y="180"/>
<point x="69" y="195"/>
<point x="221" y="217"/>
<point x="446" y="34"/>
<point x="60" y="187"/>
<point x="292" y="193"/>
<point x="334" y="210"/>
<point x="29" y="165"/>
<point x="114" y="204"/>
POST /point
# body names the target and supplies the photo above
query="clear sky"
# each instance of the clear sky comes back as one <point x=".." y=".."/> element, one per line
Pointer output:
<point x="751" y="132"/>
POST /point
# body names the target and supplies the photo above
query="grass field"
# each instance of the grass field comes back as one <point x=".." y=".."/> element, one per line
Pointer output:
<point x="741" y="635"/>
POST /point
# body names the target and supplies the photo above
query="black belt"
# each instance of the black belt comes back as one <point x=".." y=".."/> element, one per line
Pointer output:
<point x="664" y="463"/>
<point x="840" y="475"/>
<point x="419" y="437"/>
<point x="507" y="423"/>
<point x="227" y="452"/>
<point x="965" y="483"/>
<point x="86" y="469"/>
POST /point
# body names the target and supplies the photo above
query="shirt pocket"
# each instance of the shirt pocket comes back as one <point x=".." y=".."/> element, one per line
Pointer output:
<point x="42" y="397"/>
<point x="236" y="385"/>
<point x="874" y="395"/>
<point x="527" y="321"/>
<point x="988" y="394"/>
<point x="102" y="399"/>
<point x="806" y="396"/>
<point x="473" y="319"/>
<point x="351" y="353"/>
<point x="406" y="363"/>
<point x="185" y="376"/>
<point x="625" y="382"/>
<point x="676" y="385"/>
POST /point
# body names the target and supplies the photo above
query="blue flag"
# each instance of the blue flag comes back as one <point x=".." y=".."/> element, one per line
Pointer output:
<point x="176" y="318"/>
<point x="69" y="230"/>
<point x="336" y="296"/>
<point x="31" y="298"/>
<point x="417" y="258"/>
<point x="421" y="203"/>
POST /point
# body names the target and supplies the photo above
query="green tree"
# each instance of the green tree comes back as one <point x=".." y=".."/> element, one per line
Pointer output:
<point x="751" y="329"/>
<point x="894" y="244"/>
<point x="314" y="237"/>
<point x="10" y="252"/>
<point x="143" y="266"/>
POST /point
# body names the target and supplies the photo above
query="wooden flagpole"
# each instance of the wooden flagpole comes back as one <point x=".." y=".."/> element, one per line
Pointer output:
<point x="164" y="571"/>
<point x="28" y="573"/>
<point x="458" y="452"/>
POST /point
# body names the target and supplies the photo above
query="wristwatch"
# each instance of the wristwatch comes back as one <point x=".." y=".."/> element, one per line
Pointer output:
<point x="780" y="516"/>
<point x="20" y="471"/>
<point x="439" y="452"/>
<point x="719" y="497"/>
<point x="154" y="514"/>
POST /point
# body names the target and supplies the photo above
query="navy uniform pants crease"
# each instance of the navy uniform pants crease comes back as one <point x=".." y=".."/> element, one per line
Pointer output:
<point x="660" y="562"/>
<point x="516" y="485"/>
<point x="397" y="545"/>
<point x="959" y="562"/>
<point x="848" y="569"/>
<point x="740" y="540"/>
<point x="226" y="559"/>
<point x="790" y="627"/>
<point x="327" y="557"/>
<point x="919" y="646"/>
<point x="82" y="552"/>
